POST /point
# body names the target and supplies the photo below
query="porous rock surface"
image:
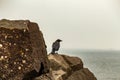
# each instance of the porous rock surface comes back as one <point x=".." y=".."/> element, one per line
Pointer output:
<point x="22" y="50"/>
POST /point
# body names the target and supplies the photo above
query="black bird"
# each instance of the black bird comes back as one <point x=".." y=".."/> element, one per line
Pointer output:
<point x="55" y="46"/>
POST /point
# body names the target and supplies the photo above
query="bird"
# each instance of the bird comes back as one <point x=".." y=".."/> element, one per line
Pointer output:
<point x="56" y="46"/>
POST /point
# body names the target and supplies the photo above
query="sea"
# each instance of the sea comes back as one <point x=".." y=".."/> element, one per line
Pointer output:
<point x="105" y="64"/>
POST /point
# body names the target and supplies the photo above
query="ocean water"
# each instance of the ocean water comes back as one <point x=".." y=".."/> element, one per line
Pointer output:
<point x="104" y="64"/>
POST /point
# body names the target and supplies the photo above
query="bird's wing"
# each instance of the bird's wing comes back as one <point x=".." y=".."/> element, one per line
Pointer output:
<point x="56" y="45"/>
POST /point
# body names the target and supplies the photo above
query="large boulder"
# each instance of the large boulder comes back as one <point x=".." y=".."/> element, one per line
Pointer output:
<point x="64" y="67"/>
<point x="22" y="50"/>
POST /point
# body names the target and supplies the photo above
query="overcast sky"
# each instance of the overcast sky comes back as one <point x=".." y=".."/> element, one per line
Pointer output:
<point x="81" y="24"/>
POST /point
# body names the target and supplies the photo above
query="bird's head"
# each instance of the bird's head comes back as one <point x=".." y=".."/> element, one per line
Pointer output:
<point x="59" y="40"/>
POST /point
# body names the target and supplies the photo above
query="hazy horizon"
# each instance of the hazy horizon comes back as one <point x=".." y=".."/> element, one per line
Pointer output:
<point x="81" y="24"/>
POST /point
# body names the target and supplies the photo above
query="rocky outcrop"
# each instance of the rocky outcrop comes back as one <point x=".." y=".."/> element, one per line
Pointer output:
<point x="22" y="50"/>
<point x="23" y="56"/>
<point x="64" y="67"/>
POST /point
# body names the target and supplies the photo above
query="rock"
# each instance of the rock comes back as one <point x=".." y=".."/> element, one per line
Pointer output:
<point x="57" y="62"/>
<point x="64" y="67"/>
<point x="47" y="76"/>
<point x="74" y="63"/>
<point x="23" y="56"/>
<point x="83" y="74"/>
<point x="22" y="50"/>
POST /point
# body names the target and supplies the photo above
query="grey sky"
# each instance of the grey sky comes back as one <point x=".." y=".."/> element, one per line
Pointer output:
<point x="83" y="24"/>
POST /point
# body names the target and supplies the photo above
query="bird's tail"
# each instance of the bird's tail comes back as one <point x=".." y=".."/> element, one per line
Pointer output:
<point x="53" y="51"/>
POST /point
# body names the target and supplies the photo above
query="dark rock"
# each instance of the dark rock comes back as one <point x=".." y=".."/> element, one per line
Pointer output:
<point x="22" y="49"/>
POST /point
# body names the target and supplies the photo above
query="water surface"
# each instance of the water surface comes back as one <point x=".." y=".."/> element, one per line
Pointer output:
<point x="104" y="64"/>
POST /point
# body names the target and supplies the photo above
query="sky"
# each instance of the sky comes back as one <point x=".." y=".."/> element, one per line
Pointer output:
<point x="81" y="24"/>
